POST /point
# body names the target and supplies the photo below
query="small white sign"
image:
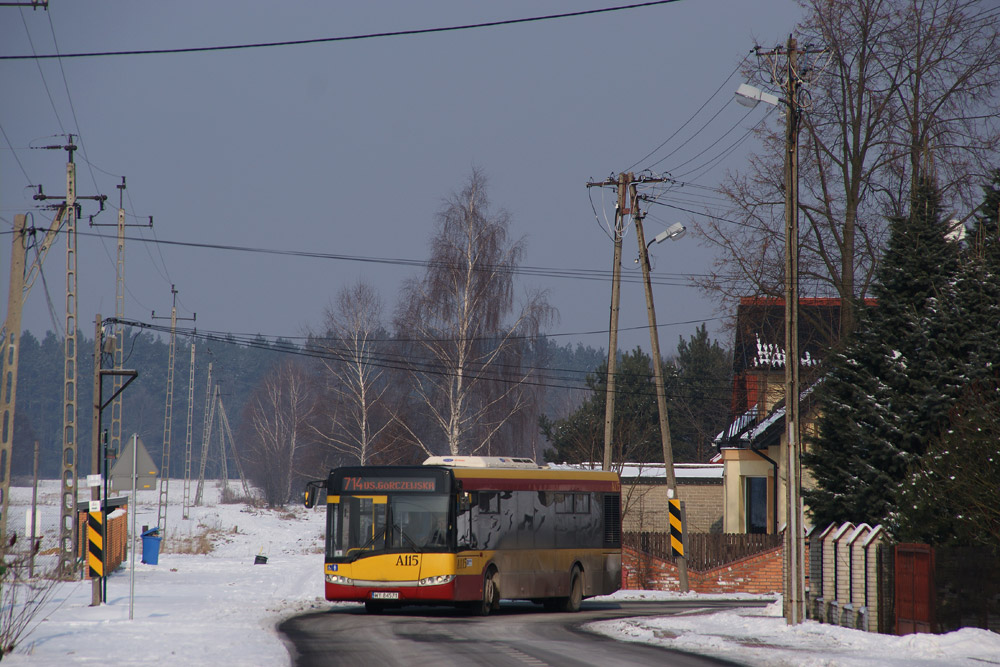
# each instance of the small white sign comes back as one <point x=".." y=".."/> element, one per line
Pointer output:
<point x="93" y="480"/>
<point x="95" y="506"/>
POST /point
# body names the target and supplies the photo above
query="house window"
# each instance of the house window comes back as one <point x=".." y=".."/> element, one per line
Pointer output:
<point x="755" y="504"/>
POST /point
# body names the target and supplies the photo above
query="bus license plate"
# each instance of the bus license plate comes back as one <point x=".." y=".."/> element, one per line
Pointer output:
<point x="385" y="595"/>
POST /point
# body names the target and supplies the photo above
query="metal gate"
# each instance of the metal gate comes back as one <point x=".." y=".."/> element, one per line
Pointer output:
<point x="914" y="588"/>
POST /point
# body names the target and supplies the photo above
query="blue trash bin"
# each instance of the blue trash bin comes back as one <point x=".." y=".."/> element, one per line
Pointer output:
<point x="151" y="546"/>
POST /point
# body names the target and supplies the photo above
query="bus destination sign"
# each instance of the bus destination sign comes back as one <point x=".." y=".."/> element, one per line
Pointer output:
<point x="389" y="484"/>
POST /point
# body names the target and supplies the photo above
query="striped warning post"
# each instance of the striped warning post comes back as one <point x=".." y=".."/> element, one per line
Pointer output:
<point x="676" y="528"/>
<point x="95" y="544"/>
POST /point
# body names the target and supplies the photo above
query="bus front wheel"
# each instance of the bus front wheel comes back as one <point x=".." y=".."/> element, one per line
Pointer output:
<point x="491" y="594"/>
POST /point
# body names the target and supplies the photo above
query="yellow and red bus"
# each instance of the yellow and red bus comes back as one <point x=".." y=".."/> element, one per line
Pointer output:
<point x="467" y="531"/>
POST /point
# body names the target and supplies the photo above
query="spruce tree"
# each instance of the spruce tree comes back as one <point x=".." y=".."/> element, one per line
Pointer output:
<point x="889" y="389"/>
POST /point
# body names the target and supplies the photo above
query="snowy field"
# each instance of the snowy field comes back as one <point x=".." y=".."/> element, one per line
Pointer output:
<point x="220" y="607"/>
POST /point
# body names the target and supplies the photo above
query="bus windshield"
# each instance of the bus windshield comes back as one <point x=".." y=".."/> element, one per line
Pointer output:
<point x="368" y="525"/>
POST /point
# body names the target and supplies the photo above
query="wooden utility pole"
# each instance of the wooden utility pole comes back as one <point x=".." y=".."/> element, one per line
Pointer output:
<point x="616" y="278"/>
<point x="661" y="392"/>
<point x="794" y="539"/>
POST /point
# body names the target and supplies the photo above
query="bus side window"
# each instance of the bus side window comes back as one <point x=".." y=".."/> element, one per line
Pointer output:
<point x="489" y="502"/>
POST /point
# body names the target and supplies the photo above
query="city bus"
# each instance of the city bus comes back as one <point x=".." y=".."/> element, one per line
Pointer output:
<point x="468" y="531"/>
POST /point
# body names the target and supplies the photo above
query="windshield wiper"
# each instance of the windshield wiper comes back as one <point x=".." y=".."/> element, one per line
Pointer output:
<point x="408" y="539"/>
<point x="370" y="542"/>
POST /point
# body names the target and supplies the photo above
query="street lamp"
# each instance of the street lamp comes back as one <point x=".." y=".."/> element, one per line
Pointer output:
<point x="673" y="232"/>
<point x="750" y="96"/>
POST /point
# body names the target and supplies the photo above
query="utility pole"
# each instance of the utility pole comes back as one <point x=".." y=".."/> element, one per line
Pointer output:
<point x="116" y="406"/>
<point x="794" y="541"/>
<point x="20" y="285"/>
<point x="628" y="203"/>
<point x="9" y="346"/>
<point x="622" y="184"/>
<point x="168" y="415"/>
<point x="68" y="475"/>
<point x="10" y="349"/>
<point x="185" y="507"/>
<point x="206" y="435"/>
<point x="224" y="422"/>
<point x="661" y="392"/>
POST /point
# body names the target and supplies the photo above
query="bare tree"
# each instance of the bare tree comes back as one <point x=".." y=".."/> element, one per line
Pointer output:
<point x="466" y="365"/>
<point x="276" y="415"/>
<point x="352" y="418"/>
<point x="903" y="86"/>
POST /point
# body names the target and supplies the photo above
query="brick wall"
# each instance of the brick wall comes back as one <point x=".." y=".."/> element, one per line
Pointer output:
<point x="646" y="506"/>
<point x="760" y="573"/>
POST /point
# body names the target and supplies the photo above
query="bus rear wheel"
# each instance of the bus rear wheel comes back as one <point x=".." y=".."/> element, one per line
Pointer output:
<point x="571" y="603"/>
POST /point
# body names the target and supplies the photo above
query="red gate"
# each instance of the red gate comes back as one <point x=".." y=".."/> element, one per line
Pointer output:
<point x="914" y="588"/>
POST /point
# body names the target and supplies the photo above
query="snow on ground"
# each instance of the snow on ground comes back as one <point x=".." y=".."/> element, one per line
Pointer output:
<point x="760" y="636"/>
<point x="222" y="608"/>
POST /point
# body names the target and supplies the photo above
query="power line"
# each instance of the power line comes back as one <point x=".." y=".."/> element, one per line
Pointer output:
<point x="662" y="279"/>
<point x="347" y="38"/>
<point x="692" y="117"/>
<point x="408" y="362"/>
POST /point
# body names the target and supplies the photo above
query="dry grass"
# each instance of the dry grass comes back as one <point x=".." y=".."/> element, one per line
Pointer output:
<point x="230" y="495"/>
<point x="202" y="542"/>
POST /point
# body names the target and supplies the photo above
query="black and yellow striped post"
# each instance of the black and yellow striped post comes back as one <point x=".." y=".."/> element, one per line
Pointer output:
<point x="676" y="529"/>
<point x="95" y="544"/>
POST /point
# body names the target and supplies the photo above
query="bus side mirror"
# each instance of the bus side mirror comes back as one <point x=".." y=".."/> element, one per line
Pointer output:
<point x="312" y="492"/>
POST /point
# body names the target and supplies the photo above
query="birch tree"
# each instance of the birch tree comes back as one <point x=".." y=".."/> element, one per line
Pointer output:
<point x="352" y="418"/>
<point x="466" y="336"/>
<point x="277" y="413"/>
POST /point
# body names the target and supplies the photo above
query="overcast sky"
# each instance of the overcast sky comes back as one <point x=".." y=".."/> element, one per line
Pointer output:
<point x="348" y="148"/>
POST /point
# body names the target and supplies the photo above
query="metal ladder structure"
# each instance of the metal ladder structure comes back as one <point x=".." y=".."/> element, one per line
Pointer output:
<point x="187" y="442"/>
<point x="205" y="438"/>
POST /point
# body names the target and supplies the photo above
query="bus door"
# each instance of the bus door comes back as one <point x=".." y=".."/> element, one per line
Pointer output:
<point x="356" y="524"/>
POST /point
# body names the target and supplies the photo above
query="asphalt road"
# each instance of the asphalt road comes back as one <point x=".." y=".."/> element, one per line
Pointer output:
<point x="518" y="634"/>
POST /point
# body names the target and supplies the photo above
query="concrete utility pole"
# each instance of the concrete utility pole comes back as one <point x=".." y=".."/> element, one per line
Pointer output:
<point x="168" y="416"/>
<point x="9" y="351"/>
<point x="20" y="285"/>
<point x="206" y="436"/>
<point x="68" y="475"/>
<point x="185" y="507"/>
<point x="116" y="406"/>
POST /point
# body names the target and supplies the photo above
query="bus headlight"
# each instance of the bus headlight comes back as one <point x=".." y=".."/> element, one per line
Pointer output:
<point x="437" y="581"/>
<point x="337" y="579"/>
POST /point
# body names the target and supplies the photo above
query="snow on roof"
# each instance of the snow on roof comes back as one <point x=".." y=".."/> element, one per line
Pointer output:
<point x="653" y="470"/>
